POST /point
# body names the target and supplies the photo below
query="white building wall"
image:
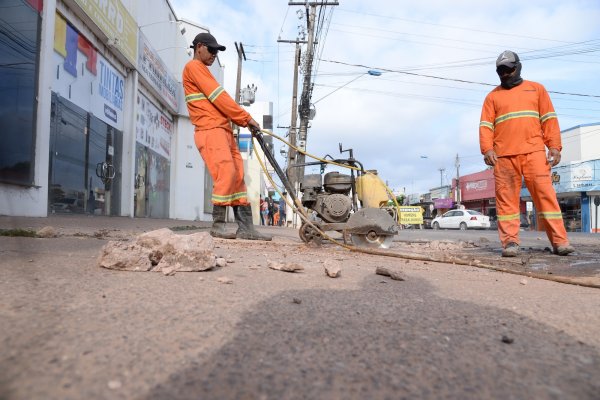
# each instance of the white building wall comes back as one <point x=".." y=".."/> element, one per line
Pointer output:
<point x="171" y="38"/>
<point x="581" y="143"/>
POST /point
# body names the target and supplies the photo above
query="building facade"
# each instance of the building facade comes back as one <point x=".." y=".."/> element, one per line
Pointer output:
<point x="94" y="114"/>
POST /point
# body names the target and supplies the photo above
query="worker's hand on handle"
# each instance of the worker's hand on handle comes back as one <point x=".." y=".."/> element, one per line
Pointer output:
<point x="253" y="126"/>
<point x="553" y="157"/>
<point x="490" y="158"/>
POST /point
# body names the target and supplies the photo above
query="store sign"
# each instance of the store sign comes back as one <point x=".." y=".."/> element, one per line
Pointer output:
<point x="476" y="186"/>
<point x="411" y="215"/>
<point x="115" y="22"/>
<point x="574" y="177"/>
<point x="443" y="203"/>
<point x="153" y="128"/>
<point x="111" y="87"/>
<point x="84" y="77"/>
<point x="582" y="175"/>
<point x="155" y="72"/>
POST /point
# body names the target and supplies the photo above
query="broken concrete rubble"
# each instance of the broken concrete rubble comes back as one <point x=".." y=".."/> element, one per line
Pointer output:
<point x="161" y="250"/>
<point x="286" y="267"/>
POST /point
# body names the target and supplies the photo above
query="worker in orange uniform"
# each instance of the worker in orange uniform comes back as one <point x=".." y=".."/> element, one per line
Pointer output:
<point x="211" y="111"/>
<point x="518" y="123"/>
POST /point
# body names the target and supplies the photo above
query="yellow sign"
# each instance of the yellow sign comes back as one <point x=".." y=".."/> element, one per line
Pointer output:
<point x="411" y="215"/>
<point x="117" y="24"/>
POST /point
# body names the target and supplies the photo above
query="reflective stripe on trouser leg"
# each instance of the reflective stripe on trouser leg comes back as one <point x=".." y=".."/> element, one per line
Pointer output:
<point x="537" y="178"/>
<point x="507" y="175"/>
<point x="224" y="162"/>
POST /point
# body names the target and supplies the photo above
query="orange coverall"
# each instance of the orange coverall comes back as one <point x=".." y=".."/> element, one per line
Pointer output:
<point x="211" y="111"/>
<point x="518" y="124"/>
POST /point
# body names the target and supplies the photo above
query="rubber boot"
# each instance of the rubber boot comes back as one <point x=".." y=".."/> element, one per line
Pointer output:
<point x="218" y="227"/>
<point x="243" y="216"/>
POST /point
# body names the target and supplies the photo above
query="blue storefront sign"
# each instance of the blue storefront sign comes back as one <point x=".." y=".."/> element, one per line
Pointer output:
<point x="581" y="176"/>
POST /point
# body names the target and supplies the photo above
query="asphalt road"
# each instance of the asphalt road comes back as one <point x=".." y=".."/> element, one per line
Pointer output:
<point x="72" y="330"/>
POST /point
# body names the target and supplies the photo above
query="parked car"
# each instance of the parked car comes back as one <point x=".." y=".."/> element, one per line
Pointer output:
<point x="67" y="205"/>
<point x="461" y="219"/>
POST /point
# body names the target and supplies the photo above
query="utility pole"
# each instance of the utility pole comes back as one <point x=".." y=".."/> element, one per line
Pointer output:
<point x="305" y="105"/>
<point x="238" y="83"/>
<point x="306" y="92"/>
<point x="441" y="176"/>
<point x="458" y="194"/>
<point x="292" y="173"/>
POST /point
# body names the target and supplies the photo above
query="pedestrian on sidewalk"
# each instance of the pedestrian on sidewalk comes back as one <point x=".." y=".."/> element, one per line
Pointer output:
<point x="518" y="123"/>
<point x="262" y="209"/>
<point x="282" y="208"/>
<point x="211" y="111"/>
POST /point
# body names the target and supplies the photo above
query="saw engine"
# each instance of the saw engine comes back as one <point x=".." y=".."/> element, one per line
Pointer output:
<point x="331" y="199"/>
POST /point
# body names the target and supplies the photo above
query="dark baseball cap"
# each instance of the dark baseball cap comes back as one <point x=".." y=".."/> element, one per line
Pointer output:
<point x="209" y="40"/>
<point x="507" y="58"/>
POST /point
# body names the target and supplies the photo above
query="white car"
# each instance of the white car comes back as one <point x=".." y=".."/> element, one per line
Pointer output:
<point x="461" y="219"/>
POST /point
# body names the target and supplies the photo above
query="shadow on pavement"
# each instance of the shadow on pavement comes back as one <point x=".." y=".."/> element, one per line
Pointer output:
<point x="388" y="340"/>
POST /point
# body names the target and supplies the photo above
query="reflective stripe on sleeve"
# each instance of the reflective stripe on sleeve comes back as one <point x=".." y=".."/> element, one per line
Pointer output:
<point x="548" y="116"/>
<point x="194" y="97"/>
<point x="486" y="124"/>
<point x="213" y="96"/>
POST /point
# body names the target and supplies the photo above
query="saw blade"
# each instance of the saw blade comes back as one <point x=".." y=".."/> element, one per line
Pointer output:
<point x="372" y="240"/>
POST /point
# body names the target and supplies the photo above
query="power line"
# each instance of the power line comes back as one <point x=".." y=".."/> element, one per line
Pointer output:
<point x="453" y="27"/>
<point x="443" y="78"/>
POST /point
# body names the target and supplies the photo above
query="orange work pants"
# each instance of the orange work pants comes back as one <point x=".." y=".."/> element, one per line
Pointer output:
<point x="222" y="157"/>
<point x="536" y="170"/>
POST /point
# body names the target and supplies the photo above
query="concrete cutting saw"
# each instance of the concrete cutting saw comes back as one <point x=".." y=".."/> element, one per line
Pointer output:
<point x="355" y="204"/>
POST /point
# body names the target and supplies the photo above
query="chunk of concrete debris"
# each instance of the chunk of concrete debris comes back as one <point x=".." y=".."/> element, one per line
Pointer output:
<point x="47" y="232"/>
<point x="221" y="262"/>
<point x="160" y="250"/>
<point x="333" y="270"/>
<point x="395" y="275"/>
<point x="286" y="267"/>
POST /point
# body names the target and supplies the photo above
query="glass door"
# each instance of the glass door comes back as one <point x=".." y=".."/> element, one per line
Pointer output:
<point x="85" y="162"/>
<point x="67" y="185"/>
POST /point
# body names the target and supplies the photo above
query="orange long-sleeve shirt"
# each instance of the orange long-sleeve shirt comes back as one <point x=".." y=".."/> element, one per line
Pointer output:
<point x="208" y="103"/>
<point x="520" y="120"/>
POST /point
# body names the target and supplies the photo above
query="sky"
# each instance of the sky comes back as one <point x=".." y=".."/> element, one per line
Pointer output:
<point x="437" y="64"/>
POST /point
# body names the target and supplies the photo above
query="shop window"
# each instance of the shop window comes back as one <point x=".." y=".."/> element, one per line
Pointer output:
<point x="19" y="50"/>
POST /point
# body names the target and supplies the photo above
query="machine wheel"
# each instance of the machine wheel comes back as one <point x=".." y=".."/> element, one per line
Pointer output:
<point x="462" y="226"/>
<point x="436" y="226"/>
<point x="309" y="234"/>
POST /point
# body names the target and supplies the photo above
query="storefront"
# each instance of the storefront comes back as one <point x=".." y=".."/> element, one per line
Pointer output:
<point x="154" y="130"/>
<point x="577" y="187"/>
<point x="477" y="192"/>
<point x="86" y="126"/>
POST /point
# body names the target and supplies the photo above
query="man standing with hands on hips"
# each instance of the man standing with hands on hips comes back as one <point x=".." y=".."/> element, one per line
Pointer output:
<point x="518" y="123"/>
<point x="211" y="111"/>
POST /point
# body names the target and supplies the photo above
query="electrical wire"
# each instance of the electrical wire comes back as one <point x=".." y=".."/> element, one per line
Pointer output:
<point x="443" y="78"/>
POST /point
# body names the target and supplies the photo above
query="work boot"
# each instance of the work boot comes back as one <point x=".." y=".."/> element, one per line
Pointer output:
<point x="563" y="250"/>
<point x="243" y="217"/>
<point x="511" y="250"/>
<point x="218" y="227"/>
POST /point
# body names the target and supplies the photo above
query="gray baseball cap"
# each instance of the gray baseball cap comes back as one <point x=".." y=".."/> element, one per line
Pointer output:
<point x="507" y="58"/>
